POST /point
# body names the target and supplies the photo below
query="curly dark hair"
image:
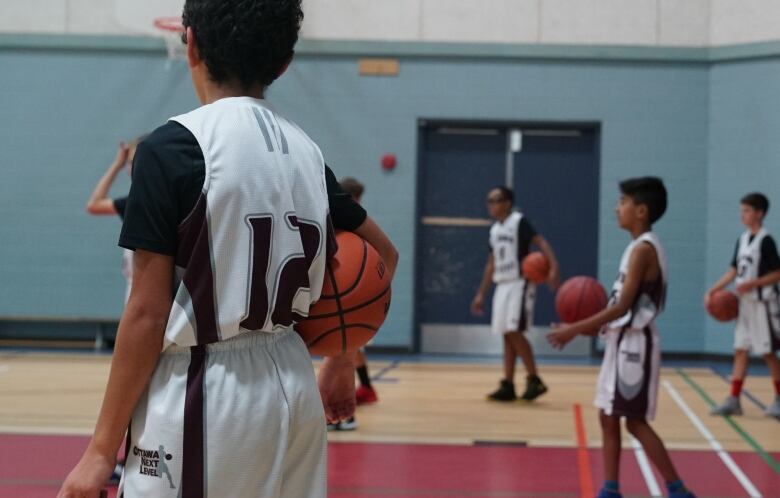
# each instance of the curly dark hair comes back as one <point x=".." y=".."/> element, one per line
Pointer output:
<point x="249" y="41"/>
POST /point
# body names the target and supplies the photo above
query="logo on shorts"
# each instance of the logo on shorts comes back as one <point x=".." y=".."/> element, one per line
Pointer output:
<point x="153" y="463"/>
<point x="632" y="357"/>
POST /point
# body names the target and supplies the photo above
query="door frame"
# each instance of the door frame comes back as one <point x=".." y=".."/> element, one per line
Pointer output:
<point x="424" y="124"/>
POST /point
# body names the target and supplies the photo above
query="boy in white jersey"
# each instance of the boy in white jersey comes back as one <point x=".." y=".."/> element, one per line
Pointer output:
<point x="230" y="202"/>
<point x="756" y="270"/>
<point x="628" y="381"/>
<point x="511" y="237"/>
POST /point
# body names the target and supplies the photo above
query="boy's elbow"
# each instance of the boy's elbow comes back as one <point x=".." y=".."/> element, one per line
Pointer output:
<point x="91" y="208"/>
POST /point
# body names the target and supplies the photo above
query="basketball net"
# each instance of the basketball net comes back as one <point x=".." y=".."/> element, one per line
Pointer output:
<point x="171" y="30"/>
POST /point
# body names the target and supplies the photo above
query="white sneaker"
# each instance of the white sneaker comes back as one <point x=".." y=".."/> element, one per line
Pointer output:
<point x="730" y="406"/>
<point x="773" y="410"/>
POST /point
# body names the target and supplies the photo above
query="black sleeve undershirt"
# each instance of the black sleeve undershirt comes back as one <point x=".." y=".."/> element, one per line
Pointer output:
<point x="168" y="175"/>
<point x="525" y="235"/>
<point x="770" y="261"/>
<point x="120" y="204"/>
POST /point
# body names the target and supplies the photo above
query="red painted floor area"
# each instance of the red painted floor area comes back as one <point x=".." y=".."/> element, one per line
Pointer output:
<point x="33" y="467"/>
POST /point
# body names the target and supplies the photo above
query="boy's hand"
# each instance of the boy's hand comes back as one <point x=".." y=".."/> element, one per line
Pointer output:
<point x="708" y="298"/>
<point x="746" y="287"/>
<point x="89" y="476"/>
<point x="476" y="305"/>
<point x="560" y="336"/>
<point x="337" y="387"/>
<point x="122" y="154"/>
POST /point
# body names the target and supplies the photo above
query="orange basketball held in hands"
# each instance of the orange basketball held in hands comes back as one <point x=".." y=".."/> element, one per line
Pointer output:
<point x="354" y="302"/>
<point x="723" y="306"/>
<point x="580" y="298"/>
<point x="536" y="268"/>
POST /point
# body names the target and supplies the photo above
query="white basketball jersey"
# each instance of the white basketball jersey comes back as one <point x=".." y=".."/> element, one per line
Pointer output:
<point x="252" y="253"/>
<point x="506" y="248"/>
<point x="748" y="264"/>
<point x="651" y="298"/>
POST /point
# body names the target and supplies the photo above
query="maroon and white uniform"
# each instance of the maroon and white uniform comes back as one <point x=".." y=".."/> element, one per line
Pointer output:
<point x="628" y="381"/>
<point x="233" y="407"/>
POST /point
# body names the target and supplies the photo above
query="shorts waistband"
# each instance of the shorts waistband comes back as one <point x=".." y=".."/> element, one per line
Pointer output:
<point x="245" y="340"/>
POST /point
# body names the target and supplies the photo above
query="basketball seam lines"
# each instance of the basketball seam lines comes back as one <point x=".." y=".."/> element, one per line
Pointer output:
<point x="359" y="275"/>
<point x="350" y="310"/>
<point x="336" y="329"/>
<point x="340" y="312"/>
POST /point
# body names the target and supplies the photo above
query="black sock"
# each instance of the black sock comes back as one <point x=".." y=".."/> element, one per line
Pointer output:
<point x="362" y="372"/>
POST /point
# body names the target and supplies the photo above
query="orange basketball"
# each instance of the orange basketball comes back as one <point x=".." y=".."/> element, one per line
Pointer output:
<point x="536" y="268"/>
<point x="354" y="302"/>
<point x="580" y="298"/>
<point x="723" y="306"/>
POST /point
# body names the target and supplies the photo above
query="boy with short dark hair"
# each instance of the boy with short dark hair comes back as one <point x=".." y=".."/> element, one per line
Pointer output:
<point x="756" y="269"/>
<point x="232" y="203"/>
<point x="628" y="381"/>
<point x="511" y="237"/>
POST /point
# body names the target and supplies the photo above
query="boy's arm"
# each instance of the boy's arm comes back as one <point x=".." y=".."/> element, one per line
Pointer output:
<point x="138" y="345"/>
<point x="374" y="235"/>
<point x="99" y="203"/>
<point x="336" y="377"/>
<point x="554" y="278"/>
<point x="721" y="284"/>
<point x="484" y="285"/>
<point x="768" y="279"/>
<point x="641" y="259"/>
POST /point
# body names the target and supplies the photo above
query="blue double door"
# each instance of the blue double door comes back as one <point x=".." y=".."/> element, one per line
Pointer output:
<point x="554" y="172"/>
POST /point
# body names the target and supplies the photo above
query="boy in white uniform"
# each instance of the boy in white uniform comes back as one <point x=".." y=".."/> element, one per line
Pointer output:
<point x="511" y="237"/>
<point x="230" y="202"/>
<point x="756" y="270"/>
<point x="628" y="381"/>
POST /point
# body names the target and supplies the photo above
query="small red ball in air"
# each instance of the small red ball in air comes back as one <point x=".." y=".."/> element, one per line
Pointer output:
<point x="389" y="162"/>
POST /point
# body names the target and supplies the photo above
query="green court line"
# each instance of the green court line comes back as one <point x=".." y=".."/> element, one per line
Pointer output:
<point x="766" y="457"/>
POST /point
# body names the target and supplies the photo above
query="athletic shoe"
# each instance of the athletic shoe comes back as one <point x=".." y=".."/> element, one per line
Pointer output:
<point x="730" y="406"/>
<point x="505" y="392"/>
<point x="348" y="425"/>
<point x="773" y="410"/>
<point x="683" y="493"/>
<point x="606" y="493"/>
<point x="534" y="388"/>
<point x="344" y="425"/>
<point x="365" y="395"/>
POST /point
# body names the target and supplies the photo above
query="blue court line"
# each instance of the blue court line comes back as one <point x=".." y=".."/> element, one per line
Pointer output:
<point x="381" y="373"/>
<point x="747" y="393"/>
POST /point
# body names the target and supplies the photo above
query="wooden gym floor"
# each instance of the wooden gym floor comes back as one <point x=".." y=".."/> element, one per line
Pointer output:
<point x="432" y="434"/>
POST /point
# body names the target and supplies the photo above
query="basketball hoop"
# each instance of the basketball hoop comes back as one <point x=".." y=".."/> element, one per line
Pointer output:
<point x="171" y="30"/>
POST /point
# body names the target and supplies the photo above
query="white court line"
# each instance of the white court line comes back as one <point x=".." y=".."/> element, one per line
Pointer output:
<point x="647" y="471"/>
<point x="727" y="460"/>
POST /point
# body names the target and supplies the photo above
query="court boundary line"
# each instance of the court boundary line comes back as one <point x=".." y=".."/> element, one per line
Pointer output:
<point x="729" y="462"/>
<point x="647" y="470"/>
<point x="583" y="456"/>
<point x="765" y="456"/>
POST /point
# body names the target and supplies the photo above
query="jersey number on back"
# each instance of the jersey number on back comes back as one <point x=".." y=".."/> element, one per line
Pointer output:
<point x="291" y="277"/>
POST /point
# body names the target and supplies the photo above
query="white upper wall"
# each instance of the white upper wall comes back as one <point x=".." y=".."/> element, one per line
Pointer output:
<point x="603" y="22"/>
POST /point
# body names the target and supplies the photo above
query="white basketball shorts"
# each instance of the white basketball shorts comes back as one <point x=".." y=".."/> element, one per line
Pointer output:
<point x="628" y="380"/>
<point x="241" y="418"/>
<point x="758" y="326"/>
<point x="513" y="307"/>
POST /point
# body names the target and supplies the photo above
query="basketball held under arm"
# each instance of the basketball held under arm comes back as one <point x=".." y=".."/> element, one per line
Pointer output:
<point x="554" y="278"/>
<point x="374" y="235"/>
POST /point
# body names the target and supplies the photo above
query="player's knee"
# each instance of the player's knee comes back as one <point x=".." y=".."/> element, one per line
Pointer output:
<point x="635" y="425"/>
<point x="608" y="422"/>
<point x="740" y="353"/>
